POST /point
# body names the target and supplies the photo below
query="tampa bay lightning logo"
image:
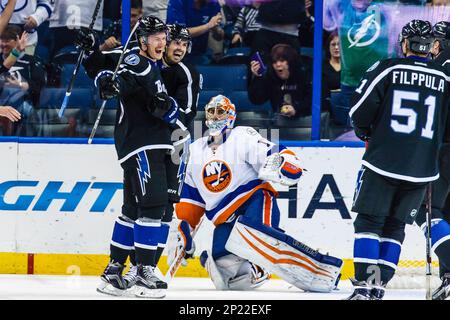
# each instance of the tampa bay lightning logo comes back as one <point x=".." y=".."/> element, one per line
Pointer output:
<point x="132" y="60"/>
<point x="365" y="33"/>
<point x="359" y="182"/>
<point x="143" y="170"/>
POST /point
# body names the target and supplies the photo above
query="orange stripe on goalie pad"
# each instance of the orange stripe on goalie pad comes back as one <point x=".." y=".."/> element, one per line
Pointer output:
<point x="282" y="261"/>
<point x="288" y="253"/>
<point x="189" y="212"/>
<point x="234" y="206"/>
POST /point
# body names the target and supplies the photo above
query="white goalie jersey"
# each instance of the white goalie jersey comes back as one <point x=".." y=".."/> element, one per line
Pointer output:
<point x="218" y="182"/>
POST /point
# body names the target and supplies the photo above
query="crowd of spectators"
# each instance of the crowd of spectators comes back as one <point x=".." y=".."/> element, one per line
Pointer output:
<point x="272" y="39"/>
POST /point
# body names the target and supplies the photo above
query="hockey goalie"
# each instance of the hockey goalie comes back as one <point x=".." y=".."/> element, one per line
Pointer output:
<point x="228" y="179"/>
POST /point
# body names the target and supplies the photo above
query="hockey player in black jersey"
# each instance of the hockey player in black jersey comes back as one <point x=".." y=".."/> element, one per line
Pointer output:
<point x="440" y="230"/>
<point x="182" y="82"/>
<point x="400" y="108"/>
<point x="142" y="140"/>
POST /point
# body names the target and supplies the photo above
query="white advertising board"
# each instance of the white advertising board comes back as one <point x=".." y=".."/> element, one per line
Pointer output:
<point x="64" y="198"/>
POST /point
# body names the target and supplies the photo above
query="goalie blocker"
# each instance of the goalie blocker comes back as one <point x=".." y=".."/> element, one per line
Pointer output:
<point x="280" y="254"/>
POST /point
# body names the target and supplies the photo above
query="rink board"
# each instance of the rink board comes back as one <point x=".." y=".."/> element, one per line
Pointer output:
<point x="58" y="203"/>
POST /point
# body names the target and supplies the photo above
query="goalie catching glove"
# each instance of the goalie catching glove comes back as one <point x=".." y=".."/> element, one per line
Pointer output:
<point x="182" y="242"/>
<point x="283" y="168"/>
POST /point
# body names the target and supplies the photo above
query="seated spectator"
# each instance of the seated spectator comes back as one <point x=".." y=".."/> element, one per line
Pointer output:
<point x="68" y="17"/>
<point x="246" y="25"/>
<point x="283" y="84"/>
<point x="22" y="84"/>
<point x="200" y="17"/>
<point x="113" y="33"/>
<point x="156" y="8"/>
<point x="280" y="20"/>
<point x="331" y="72"/>
<point x="28" y="15"/>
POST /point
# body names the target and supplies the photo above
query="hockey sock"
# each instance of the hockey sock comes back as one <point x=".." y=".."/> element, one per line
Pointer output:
<point x="146" y="235"/>
<point x="389" y="256"/>
<point x="122" y="240"/>
<point x="366" y="252"/>
<point x="440" y="242"/>
<point x="162" y="241"/>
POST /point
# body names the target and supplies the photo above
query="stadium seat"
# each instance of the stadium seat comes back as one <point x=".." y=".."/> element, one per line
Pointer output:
<point x="108" y="116"/>
<point x="58" y="130"/>
<point x="110" y="103"/>
<point x="242" y="102"/>
<point x="66" y="55"/>
<point x="53" y="98"/>
<point x="306" y="51"/>
<point x="239" y="51"/>
<point x="81" y="80"/>
<point x="42" y="52"/>
<point x="50" y="116"/>
<point x="339" y="112"/>
<point x="253" y="119"/>
<point x="294" y="134"/>
<point x="284" y="123"/>
<point x="236" y="56"/>
<point x="227" y="78"/>
<point x="104" y="131"/>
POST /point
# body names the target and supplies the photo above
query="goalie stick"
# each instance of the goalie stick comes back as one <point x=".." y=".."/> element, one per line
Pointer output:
<point x="100" y="112"/>
<point x="77" y="66"/>
<point x="179" y="258"/>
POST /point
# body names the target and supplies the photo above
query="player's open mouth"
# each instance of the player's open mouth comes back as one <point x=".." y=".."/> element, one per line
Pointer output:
<point x="178" y="54"/>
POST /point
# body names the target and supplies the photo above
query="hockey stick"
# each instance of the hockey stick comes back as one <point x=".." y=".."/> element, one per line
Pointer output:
<point x="428" y="245"/>
<point x="100" y="112"/>
<point x="173" y="268"/>
<point x="77" y="66"/>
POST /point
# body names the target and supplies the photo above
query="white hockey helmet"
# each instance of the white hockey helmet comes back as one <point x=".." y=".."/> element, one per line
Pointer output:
<point x="220" y="115"/>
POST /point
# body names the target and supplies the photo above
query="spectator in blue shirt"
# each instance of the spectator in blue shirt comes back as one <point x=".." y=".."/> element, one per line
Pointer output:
<point x="199" y="16"/>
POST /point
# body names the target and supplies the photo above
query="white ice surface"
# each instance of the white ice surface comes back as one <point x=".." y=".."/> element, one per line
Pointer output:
<point x="83" y="287"/>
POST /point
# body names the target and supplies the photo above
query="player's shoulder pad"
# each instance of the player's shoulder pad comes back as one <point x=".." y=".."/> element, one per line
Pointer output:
<point x="246" y="133"/>
<point x="136" y="64"/>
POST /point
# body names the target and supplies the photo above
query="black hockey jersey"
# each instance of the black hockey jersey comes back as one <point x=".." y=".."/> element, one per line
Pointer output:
<point x="140" y="79"/>
<point x="183" y="84"/>
<point x="402" y="105"/>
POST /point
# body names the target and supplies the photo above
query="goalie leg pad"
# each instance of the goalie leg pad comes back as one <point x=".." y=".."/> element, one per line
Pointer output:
<point x="284" y="256"/>
<point x="231" y="272"/>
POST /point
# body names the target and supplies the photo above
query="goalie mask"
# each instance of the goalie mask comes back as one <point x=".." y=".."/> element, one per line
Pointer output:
<point x="220" y="115"/>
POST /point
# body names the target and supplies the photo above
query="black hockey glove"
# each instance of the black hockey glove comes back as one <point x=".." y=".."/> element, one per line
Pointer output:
<point x="164" y="107"/>
<point x="85" y="40"/>
<point x="107" y="87"/>
<point x="362" y="133"/>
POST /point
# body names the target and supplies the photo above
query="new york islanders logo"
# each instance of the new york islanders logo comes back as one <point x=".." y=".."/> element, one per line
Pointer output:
<point x="216" y="175"/>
